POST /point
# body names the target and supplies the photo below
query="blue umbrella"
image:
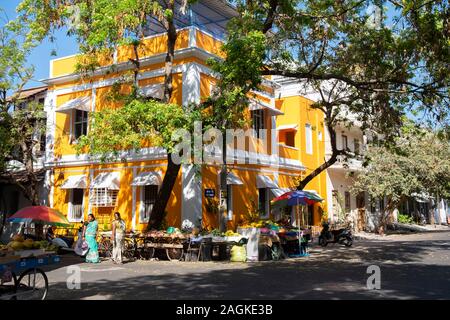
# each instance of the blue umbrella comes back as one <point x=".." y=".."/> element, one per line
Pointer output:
<point x="293" y="198"/>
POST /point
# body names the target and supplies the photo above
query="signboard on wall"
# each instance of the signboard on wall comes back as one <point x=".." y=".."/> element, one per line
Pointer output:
<point x="210" y="193"/>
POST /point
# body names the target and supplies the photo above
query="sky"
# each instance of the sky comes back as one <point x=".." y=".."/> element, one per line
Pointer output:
<point x="42" y="54"/>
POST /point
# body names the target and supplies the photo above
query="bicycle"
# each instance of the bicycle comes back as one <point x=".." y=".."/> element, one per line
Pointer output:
<point x="105" y="246"/>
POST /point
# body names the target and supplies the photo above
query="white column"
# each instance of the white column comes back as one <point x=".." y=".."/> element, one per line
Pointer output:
<point x="191" y="204"/>
<point x="192" y="37"/>
<point x="49" y="108"/>
<point x="133" y="206"/>
<point x="329" y="197"/>
<point x="91" y="178"/>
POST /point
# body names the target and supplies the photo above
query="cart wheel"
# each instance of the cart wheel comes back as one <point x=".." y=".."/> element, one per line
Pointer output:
<point x="147" y="253"/>
<point x="174" y="253"/>
<point x="105" y="248"/>
<point x="128" y="249"/>
<point x="32" y="285"/>
<point x="8" y="289"/>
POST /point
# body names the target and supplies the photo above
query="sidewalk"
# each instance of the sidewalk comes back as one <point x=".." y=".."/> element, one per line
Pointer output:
<point x="404" y="230"/>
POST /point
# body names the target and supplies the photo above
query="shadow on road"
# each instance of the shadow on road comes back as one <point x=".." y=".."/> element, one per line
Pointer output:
<point x="412" y="270"/>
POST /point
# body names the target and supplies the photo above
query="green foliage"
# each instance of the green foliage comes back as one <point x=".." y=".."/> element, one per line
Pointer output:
<point x="368" y="67"/>
<point x="403" y="218"/>
<point x="114" y="130"/>
<point x="417" y="161"/>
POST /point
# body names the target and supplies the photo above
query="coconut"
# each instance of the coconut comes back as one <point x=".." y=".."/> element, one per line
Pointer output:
<point x="28" y="244"/>
<point x="16" y="245"/>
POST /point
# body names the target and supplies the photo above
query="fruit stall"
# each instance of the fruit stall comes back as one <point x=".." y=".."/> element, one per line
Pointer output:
<point x="172" y="242"/>
<point x="20" y="273"/>
<point x="268" y="240"/>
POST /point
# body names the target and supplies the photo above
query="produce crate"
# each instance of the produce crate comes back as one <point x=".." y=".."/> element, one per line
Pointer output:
<point x="36" y="262"/>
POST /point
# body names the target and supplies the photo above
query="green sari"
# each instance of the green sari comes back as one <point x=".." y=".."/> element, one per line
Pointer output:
<point x="90" y="236"/>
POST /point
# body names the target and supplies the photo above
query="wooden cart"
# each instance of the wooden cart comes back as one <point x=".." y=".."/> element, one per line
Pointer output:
<point x="23" y="277"/>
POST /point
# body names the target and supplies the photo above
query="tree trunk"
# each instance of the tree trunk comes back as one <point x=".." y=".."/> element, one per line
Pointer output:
<point x="3" y="210"/>
<point x="158" y="212"/>
<point x="171" y="39"/>
<point x="32" y="184"/>
<point x="385" y="216"/>
<point x="328" y="163"/>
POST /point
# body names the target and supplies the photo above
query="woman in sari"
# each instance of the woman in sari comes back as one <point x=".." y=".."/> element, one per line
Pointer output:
<point x="90" y="236"/>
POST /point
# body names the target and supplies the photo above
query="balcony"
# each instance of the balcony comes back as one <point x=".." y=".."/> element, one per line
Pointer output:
<point x="287" y="152"/>
<point x="352" y="163"/>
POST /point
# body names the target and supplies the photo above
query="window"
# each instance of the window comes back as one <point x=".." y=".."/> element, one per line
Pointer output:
<point x="357" y="147"/>
<point x="103" y="197"/>
<point x="76" y="204"/>
<point x="344" y="142"/>
<point x="149" y="199"/>
<point x="308" y="138"/>
<point x="80" y="123"/>
<point x="258" y="122"/>
<point x="290" y="138"/>
<point x="263" y="204"/>
<point x="347" y="201"/>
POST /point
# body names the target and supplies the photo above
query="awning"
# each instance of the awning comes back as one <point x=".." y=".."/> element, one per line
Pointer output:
<point x="147" y="179"/>
<point x="153" y="91"/>
<point x="83" y="104"/>
<point x="75" y="182"/>
<point x="258" y="105"/>
<point x="233" y="179"/>
<point x="288" y="127"/>
<point x="280" y="191"/>
<point x="108" y="180"/>
<point x="265" y="182"/>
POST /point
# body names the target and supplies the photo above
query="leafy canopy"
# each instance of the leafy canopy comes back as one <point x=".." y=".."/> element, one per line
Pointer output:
<point x="418" y="161"/>
<point x="127" y="128"/>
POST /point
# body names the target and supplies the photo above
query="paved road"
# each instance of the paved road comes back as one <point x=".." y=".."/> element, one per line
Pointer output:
<point x="412" y="266"/>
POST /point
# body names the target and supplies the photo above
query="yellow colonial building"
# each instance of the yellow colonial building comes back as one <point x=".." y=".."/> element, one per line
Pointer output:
<point x="259" y="171"/>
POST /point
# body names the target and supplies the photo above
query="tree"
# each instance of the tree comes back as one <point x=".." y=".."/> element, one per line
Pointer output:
<point x="100" y="27"/>
<point x="18" y="126"/>
<point x="368" y="67"/>
<point x="418" y="161"/>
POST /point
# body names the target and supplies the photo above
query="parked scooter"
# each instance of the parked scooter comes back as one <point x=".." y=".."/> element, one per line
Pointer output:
<point x="341" y="236"/>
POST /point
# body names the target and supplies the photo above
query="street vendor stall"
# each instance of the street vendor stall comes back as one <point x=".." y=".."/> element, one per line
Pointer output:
<point x="20" y="273"/>
<point x="300" y="199"/>
<point x="171" y="241"/>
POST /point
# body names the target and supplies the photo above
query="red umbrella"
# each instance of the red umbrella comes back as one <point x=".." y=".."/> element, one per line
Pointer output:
<point x="40" y="214"/>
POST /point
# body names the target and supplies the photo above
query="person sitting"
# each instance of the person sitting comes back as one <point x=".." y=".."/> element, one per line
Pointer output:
<point x="59" y="241"/>
<point x="50" y="234"/>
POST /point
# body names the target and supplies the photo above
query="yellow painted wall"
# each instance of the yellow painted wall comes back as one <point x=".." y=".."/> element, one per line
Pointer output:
<point x="209" y="43"/>
<point x="242" y="195"/>
<point x="104" y="215"/>
<point x="297" y="111"/>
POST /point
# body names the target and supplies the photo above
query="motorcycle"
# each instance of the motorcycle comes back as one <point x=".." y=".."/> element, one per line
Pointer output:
<point x="341" y="236"/>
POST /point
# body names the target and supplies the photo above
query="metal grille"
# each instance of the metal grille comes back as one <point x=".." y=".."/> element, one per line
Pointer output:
<point x="103" y="197"/>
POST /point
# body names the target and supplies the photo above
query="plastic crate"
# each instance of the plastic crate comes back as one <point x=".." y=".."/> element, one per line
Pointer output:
<point x="54" y="259"/>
